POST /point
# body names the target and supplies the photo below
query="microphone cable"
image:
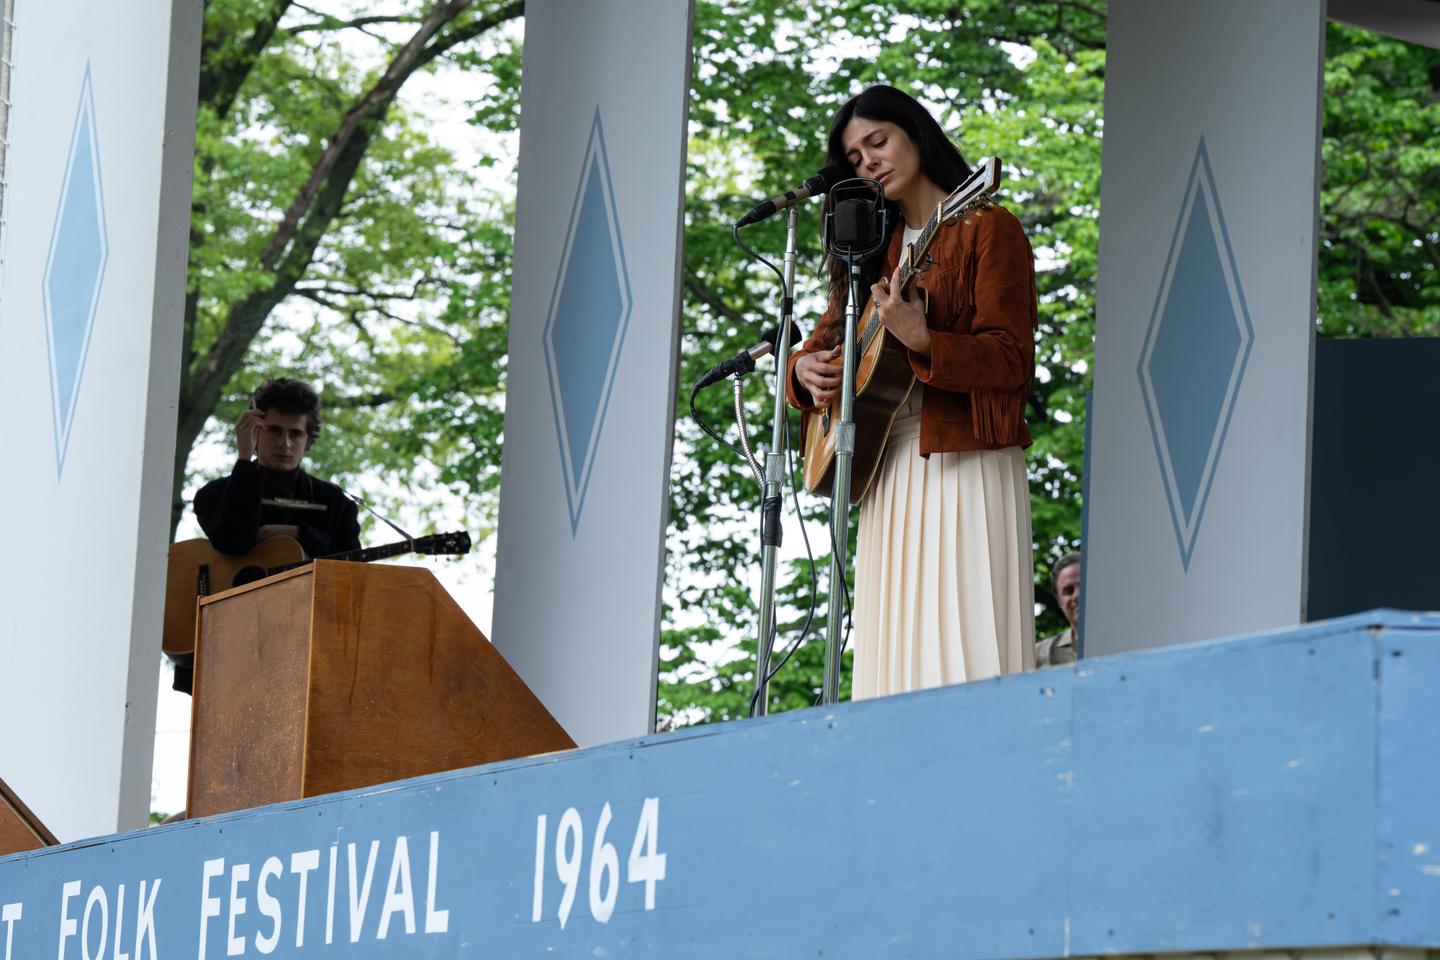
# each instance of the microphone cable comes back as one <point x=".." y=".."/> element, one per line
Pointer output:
<point x="700" y="384"/>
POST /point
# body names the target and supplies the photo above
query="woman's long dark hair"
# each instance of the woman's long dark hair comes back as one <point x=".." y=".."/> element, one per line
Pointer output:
<point x="940" y="160"/>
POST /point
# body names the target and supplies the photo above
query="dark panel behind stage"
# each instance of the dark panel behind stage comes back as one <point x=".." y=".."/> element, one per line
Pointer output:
<point x="1375" y="476"/>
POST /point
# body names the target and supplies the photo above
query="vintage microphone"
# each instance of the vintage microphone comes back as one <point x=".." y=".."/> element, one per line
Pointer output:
<point x="820" y="183"/>
<point x="744" y="361"/>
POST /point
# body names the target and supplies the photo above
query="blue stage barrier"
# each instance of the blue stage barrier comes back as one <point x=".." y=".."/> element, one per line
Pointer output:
<point x="1262" y="793"/>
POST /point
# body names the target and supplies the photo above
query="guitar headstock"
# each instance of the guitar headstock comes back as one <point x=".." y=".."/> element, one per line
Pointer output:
<point x="444" y="544"/>
<point x="973" y="192"/>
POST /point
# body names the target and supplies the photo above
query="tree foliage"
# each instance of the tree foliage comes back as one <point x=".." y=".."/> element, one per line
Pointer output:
<point x="1380" y="223"/>
<point x="331" y="235"/>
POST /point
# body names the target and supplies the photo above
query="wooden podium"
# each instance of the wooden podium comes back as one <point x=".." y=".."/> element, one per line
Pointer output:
<point x="343" y="675"/>
<point x="19" y="828"/>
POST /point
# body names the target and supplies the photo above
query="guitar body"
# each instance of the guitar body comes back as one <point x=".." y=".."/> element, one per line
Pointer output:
<point x="883" y="381"/>
<point x="197" y="570"/>
<point x="189" y="557"/>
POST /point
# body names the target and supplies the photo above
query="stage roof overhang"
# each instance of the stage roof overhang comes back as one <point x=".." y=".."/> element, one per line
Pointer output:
<point x="1415" y="21"/>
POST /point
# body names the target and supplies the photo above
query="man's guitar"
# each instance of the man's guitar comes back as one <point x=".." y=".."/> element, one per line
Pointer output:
<point x="197" y="569"/>
<point x="883" y="377"/>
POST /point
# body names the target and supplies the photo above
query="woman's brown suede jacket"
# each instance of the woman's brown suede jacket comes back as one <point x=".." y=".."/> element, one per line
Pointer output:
<point x="981" y="315"/>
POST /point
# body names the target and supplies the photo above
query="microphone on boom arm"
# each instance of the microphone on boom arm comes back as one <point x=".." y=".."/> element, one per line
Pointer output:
<point x="820" y="183"/>
<point x="744" y="361"/>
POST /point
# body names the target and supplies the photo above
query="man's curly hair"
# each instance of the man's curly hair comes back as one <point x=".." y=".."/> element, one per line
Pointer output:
<point x="290" y="397"/>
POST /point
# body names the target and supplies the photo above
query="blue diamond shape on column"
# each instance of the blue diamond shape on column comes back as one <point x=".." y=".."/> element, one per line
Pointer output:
<point x="74" y="269"/>
<point x="1194" y="354"/>
<point x="585" y="328"/>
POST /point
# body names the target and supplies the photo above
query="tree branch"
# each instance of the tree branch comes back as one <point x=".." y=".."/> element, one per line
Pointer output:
<point x="701" y="293"/>
<point x="373" y="104"/>
<point x="220" y="76"/>
<point x="328" y="22"/>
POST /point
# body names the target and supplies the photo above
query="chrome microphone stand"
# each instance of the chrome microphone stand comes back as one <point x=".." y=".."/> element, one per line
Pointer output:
<point x="855" y="227"/>
<point x="773" y="499"/>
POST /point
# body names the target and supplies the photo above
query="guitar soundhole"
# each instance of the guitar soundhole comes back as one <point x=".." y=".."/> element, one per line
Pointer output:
<point x="248" y="575"/>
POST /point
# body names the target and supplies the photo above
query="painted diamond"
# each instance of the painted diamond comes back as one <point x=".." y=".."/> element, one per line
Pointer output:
<point x="1194" y="354"/>
<point x="585" y="328"/>
<point x="74" y="270"/>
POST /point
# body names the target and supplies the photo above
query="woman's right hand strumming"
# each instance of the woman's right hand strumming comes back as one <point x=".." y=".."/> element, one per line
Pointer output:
<point x="820" y="373"/>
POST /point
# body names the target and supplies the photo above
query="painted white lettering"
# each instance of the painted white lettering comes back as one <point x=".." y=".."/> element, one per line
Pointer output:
<point x="302" y="864"/>
<point x="604" y="870"/>
<point x="209" y="906"/>
<point x="119" y="954"/>
<point x="647" y="863"/>
<point x="360" y="898"/>
<point x="399" y="896"/>
<point x="68" y="927"/>
<point x="268" y="905"/>
<point x="145" y="921"/>
<point x="330" y="898"/>
<point x="436" y="921"/>
<point x="568" y="854"/>
<point x="537" y="900"/>
<point x="96" y="899"/>
<point x="240" y="873"/>
<point x="9" y="913"/>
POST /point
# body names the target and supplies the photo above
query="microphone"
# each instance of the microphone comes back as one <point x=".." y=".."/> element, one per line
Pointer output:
<point x="820" y="183"/>
<point x="744" y="361"/>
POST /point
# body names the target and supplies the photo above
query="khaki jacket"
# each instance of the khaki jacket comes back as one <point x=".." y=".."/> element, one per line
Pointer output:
<point x="982" y="317"/>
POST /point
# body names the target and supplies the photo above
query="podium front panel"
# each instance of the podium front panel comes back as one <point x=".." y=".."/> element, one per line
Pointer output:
<point x="247" y="739"/>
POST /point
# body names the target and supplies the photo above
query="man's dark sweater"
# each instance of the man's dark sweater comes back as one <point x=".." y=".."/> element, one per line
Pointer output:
<point x="231" y="512"/>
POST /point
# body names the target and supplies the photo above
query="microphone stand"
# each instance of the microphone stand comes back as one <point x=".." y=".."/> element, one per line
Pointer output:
<point x="851" y="250"/>
<point x="773" y="498"/>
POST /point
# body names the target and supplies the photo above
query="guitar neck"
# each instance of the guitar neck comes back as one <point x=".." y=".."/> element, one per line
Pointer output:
<point x="908" y="271"/>
<point x="367" y="554"/>
<point x="364" y="555"/>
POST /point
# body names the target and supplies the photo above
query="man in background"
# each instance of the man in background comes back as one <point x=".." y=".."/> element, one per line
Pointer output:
<point x="1065" y="583"/>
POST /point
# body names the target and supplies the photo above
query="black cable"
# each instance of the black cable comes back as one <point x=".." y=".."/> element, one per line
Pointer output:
<point x="785" y="292"/>
<point x="695" y="415"/>
<point x="735" y="235"/>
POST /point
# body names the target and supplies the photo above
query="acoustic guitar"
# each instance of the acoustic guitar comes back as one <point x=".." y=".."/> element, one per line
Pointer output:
<point x="883" y="376"/>
<point x="197" y="569"/>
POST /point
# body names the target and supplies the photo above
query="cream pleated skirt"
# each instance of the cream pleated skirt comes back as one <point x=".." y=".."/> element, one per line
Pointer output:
<point x="943" y="588"/>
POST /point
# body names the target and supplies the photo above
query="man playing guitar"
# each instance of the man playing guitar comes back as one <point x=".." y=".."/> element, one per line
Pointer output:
<point x="266" y="496"/>
<point x="269" y="495"/>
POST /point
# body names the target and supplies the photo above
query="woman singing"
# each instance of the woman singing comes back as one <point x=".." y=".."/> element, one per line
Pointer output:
<point x="943" y="579"/>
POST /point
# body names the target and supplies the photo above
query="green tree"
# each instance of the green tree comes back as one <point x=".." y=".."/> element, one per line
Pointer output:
<point x="313" y="185"/>
<point x="1380" y="209"/>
